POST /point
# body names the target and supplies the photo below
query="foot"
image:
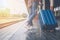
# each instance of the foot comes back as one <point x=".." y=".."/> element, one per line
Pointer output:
<point x="52" y="30"/>
<point x="44" y="30"/>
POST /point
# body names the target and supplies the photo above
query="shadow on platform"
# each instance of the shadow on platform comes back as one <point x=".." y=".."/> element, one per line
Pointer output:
<point x="44" y="35"/>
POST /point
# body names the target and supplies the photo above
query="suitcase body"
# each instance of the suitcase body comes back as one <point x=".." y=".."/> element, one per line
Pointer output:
<point x="47" y="20"/>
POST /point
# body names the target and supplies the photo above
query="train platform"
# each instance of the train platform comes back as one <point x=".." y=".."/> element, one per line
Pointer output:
<point x="44" y="35"/>
<point x="20" y="31"/>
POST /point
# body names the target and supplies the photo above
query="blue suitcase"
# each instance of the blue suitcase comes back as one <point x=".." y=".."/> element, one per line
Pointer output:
<point x="47" y="20"/>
